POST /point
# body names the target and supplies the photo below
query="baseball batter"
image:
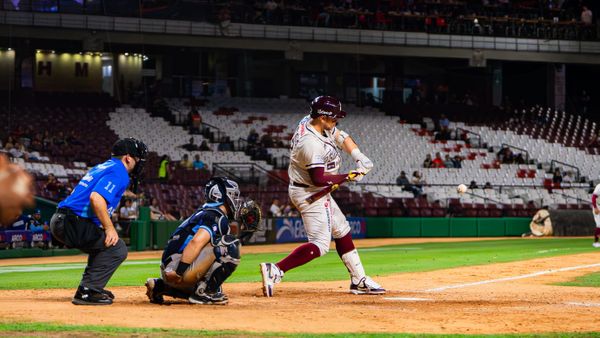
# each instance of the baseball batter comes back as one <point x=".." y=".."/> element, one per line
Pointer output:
<point x="595" y="195"/>
<point x="314" y="163"/>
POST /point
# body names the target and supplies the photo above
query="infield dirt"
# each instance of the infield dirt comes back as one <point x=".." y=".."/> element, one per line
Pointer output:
<point x="527" y="305"/>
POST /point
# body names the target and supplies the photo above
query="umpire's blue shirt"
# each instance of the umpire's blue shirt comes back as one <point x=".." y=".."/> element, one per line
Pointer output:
<point x="109" y="179"/>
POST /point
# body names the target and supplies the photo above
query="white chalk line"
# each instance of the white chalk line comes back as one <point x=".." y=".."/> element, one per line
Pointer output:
<point x="408" y="299"/>
<point x="9" y="269"/>
<point x="505" y="279"/>
<point x="583" y="304"/>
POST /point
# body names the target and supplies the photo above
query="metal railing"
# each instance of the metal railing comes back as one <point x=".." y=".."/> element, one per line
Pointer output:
<point x="563" y="164"/>
<point x="300" y="33"/>
<point x="477" y="135"/>
<point x="519" y="149"/>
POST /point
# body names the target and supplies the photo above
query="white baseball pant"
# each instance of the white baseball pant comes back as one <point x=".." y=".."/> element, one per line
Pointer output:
<point x="322" y="219"/>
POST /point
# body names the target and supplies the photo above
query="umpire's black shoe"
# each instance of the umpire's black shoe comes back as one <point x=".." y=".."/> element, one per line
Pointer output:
<point x="87" y="296"/>
<point x="108" y="293"/>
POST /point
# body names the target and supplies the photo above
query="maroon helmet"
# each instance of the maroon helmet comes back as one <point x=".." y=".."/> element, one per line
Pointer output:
<point x="326" y="106"/>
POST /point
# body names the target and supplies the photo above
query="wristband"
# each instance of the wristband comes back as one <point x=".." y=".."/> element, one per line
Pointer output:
<point x="181" y="267"/>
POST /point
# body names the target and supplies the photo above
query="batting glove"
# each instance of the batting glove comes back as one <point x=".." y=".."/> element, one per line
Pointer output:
<point x="355" y="176"/>
<point x="364" y="164"/>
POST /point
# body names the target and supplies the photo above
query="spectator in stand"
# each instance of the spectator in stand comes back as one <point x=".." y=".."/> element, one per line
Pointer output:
<point x="275" y="209"/>
<point x="60" y="139"/>
<point x="448" y="163"/>
<point x="163" y="168"/>
<point x="557" y="177"/>
<point x="568" y="177"/>
<point x="225" y="144"/>
<point x="444" y="122"/>
<point x="586" y="16"/>
<point x="204" y="146"/>
<point x="252" y="137"/>
<point x="52" y="183"/>
<point x="190" y="146"/>
<point x="473" y="185"/>
<point x="198" y="164"/>
<point x="47" y="140"/>
<point x="18" y="151"/>
<point x="35" y="222"/>
<point x="289" y="211"/>
<point x="437" y="162"/>
<point x="64" y="190"/>
<point x="157" y="214"/>
<point x="267" y="141"/>
<point x="36" y="143"/>
<point x="9" y="144"/>
<point x="127" y="213"/>
<point x="519" y="159"/>
<point x="417" y="182"/>
<point x="73" y="139"/>
<point x="194" y="121"/>
<point x="185" y="162"/>
<point x="488" y="185"/>
<point x="402" y="180"/>
<point x="427" y="163"/>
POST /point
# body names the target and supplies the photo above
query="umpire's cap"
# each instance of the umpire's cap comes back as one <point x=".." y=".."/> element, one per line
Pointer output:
<point x="130" y="146"/>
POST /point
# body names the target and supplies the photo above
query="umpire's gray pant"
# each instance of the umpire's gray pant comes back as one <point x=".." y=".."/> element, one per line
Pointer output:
<point x="83" y="234"/>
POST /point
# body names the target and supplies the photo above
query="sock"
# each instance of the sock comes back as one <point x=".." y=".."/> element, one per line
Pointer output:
<point x="596" y="234"/>
<point x="344" y="244"/>
<point x="354" y="266"/>
<point x="300" y="256"/>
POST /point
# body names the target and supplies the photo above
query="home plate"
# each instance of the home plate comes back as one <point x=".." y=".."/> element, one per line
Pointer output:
<point x="583" y="304"/>
<point x="408" y="299"/>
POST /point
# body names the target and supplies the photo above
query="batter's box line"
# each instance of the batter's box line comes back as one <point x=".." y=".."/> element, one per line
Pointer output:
<point x="506" y="279"/>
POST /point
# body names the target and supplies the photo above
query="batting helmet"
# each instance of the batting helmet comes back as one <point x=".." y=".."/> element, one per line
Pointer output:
<point x="326" y="106"/>
<point x="221" y="190"/>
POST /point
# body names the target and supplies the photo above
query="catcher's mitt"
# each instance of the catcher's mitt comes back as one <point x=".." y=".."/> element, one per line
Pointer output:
<point x="249" y="216"/>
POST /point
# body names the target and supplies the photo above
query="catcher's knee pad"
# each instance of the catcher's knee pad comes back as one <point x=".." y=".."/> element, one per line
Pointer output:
<point x="227" y="254"/>
<point x="228" y="250"/>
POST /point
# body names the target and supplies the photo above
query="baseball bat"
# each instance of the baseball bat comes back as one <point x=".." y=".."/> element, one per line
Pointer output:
<point x="330" y="188"/>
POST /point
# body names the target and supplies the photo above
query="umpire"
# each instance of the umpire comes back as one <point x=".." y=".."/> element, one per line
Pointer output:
<point x="83" y="220"/>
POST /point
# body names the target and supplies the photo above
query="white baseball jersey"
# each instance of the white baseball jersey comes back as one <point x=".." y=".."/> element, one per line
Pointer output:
<point x="597" y="193"/>
<point x="310" y="149"/>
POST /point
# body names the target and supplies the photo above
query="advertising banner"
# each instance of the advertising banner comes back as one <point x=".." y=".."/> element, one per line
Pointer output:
<point x="291" y="229"/>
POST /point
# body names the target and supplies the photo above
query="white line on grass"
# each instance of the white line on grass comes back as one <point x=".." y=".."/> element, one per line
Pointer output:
<point x="534" y="274"/>
<point x="9" y="269"/>
<point x="390" y="249"/>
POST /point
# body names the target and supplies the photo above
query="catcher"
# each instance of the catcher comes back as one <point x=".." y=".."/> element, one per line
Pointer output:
<point x="201" y="254"/>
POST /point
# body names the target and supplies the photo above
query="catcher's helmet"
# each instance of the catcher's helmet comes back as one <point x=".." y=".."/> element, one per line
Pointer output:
<point x="221" y="190"/>
<point x="326" y="106"/>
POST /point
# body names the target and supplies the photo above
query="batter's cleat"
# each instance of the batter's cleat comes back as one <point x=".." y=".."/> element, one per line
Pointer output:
<point x="366" y="286"/>
<point x="88" y="296"/>
<point x="596" y="245"/>
<point x="154" y="287"/>
<point x="271" y="275"/>
<point x="217" y="298"/>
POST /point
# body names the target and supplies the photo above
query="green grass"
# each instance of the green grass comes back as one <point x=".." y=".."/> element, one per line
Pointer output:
<point x="589" y="280"/>
<point x="384" y="260"/>
<point x="49" y="329"/>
